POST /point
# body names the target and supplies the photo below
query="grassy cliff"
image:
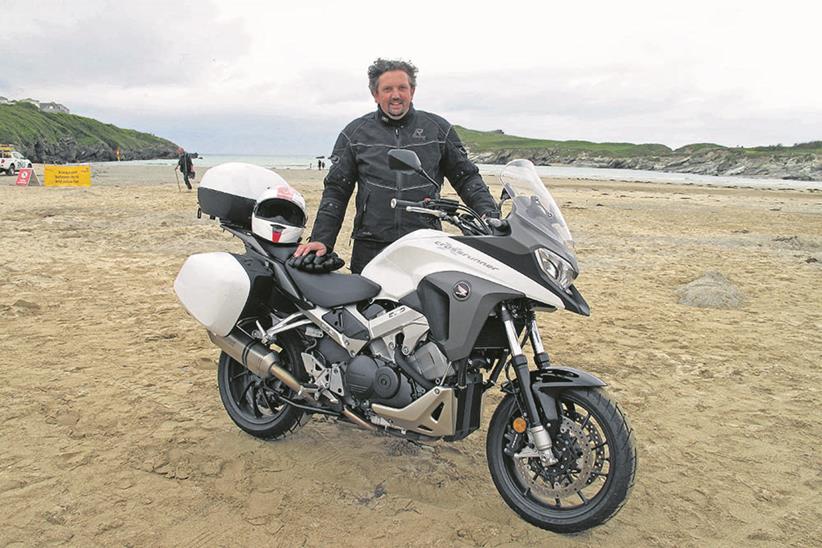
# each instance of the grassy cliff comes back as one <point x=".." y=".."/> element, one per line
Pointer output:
<point x="58" y="137"/>
<point x="489" y="141"/>
<point x="801" y="161"/>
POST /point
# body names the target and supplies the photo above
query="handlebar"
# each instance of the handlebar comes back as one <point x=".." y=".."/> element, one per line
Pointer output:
<point x="497" y="223"/>
<point x="395" y="203"/>
<point x="448" y="210"/>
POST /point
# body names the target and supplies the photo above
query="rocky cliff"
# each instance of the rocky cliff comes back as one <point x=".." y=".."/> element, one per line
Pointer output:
<point x="59" y="137"/>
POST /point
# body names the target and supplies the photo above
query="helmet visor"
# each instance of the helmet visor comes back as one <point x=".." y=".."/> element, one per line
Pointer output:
<point x="281" y="212"/>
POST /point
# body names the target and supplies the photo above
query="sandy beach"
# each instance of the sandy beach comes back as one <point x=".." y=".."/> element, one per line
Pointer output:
<point x="112" y="431"/>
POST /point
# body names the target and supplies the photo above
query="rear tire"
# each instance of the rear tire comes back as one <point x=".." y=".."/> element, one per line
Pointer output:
<point x="593" y="478"/>
<point x="247" y="399"/>
<point x="11" y="170"/>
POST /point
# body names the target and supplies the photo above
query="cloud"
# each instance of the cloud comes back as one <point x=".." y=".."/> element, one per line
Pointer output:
<point x="628" y="102"/>
<point x="729" y="72"/>
<point x="119" y="44"/>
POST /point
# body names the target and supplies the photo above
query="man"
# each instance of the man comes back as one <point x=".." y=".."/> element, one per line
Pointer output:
<point x="186" y="166"/>
<point x="361" y="157"/>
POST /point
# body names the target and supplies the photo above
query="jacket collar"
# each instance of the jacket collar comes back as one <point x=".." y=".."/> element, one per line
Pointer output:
<point x="383" y="118"/>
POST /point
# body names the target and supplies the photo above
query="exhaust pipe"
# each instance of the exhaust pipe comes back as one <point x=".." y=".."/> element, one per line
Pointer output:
<point x="265" y="363"/>
<point x="256" y="357"/>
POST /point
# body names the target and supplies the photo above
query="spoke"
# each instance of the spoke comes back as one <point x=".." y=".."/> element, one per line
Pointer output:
<point x="599" y="474"/>
<point x="584" y="423"/>
<point x="584" y="500"/>
<point x="536" y="475"/>
<point x="237" y="376"/>
<point x="559" y="503"/>
<point x="245" y="391"/>
<point x="526" y="492"/>
<point x="599" y="445"/>
<point x="257" y="412"/>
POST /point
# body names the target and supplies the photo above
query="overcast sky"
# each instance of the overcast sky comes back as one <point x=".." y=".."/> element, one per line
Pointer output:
<point x="264" y="78"/>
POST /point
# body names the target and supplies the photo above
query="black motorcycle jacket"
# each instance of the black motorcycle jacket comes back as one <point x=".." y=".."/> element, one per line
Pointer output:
<point x="360" y="158"/>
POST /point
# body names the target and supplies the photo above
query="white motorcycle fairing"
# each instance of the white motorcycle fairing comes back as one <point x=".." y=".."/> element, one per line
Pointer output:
<point x="401" y="266"/>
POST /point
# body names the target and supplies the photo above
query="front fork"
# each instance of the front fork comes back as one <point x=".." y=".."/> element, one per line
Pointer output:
<point x="536" y="431"/>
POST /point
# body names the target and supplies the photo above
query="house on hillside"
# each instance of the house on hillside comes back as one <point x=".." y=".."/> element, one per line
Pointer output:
<point x="53" y="107"/>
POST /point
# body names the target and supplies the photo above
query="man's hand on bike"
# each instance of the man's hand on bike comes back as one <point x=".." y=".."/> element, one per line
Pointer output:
<point x="317" y="247"/>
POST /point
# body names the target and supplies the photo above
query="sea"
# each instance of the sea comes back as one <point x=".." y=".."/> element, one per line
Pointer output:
<point x="563" y="172"/>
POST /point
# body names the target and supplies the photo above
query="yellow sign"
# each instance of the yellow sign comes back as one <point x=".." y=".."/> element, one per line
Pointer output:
<point x="67" y="175"/>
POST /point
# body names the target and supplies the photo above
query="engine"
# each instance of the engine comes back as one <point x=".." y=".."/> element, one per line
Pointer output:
<point x="378" y="379"/>
<point x="381" y="381"/>
<point x="373" y="379"/>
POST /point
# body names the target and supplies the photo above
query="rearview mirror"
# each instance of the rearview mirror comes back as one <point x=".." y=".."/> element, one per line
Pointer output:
<point x="405" y="161"/>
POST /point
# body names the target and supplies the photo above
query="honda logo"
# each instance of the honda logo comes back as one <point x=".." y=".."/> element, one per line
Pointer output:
<point x="462" y="290"/>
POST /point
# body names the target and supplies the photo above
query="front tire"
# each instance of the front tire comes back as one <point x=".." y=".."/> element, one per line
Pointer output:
<point x="595" y="472"/>
<point x="251" y="402"/>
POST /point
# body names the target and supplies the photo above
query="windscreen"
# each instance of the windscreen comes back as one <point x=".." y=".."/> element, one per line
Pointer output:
<point x="533" y="203"/>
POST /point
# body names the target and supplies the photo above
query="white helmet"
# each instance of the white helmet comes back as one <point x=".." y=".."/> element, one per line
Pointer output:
<point x="279" y="215"/>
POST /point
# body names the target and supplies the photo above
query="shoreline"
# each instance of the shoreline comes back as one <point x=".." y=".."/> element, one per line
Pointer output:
<point x="148" y="170"/>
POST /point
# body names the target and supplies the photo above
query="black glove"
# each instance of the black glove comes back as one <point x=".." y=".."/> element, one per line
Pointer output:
<point x="310" y="262"/>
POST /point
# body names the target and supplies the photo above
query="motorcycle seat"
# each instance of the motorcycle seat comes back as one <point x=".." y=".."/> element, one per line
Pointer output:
<point x="279" y="252"/>
<point x="332" y="289"/>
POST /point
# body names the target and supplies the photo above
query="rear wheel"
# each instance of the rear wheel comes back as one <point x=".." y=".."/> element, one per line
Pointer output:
<point x="253" y="404"/>
<point x="595" y="469"/>
<point x="12" y="170"/>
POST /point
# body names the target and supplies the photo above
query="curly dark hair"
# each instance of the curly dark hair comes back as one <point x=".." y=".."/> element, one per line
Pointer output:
<point x="381" y="66"/>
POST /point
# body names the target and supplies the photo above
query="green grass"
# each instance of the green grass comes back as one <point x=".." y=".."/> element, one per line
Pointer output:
<point x="23" y="124"/>
<point x="489" y="141"/>
<point x="812" y="147"/>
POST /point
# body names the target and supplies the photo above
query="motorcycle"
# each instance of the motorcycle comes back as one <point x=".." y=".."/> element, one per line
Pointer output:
<point x="411" y="346"/>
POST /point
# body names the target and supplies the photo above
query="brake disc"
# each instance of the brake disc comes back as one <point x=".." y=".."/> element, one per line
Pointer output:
<point x="580" y="459"/>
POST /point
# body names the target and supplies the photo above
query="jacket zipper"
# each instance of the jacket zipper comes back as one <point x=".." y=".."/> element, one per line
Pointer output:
<point x="397" y="191"/>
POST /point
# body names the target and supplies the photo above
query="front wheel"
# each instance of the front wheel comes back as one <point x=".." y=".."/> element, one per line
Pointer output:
<point x="253" y="404"/>
<point x="595" y="469"/>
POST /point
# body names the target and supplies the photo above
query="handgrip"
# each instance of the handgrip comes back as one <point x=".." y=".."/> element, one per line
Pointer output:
<point x="395" y="203"/>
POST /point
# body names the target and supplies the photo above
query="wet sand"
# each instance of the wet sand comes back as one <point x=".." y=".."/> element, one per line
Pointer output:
<point x="112" y="430"/>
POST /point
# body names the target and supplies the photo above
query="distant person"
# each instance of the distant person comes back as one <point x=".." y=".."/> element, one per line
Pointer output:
<point x="186" y="166"/>
<point x="360" y="160"/>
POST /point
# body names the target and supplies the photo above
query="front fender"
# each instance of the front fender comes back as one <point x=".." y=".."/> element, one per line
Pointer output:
<point x="562" y="377"/>
<point x="547" y="384"/>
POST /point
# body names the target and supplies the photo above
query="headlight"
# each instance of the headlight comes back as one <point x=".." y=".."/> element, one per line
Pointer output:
<point x="556" y="267"/>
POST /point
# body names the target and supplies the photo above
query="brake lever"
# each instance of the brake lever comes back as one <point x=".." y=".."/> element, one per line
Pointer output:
<point x="425" y="211"/>
<point x="444" y="204"/>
